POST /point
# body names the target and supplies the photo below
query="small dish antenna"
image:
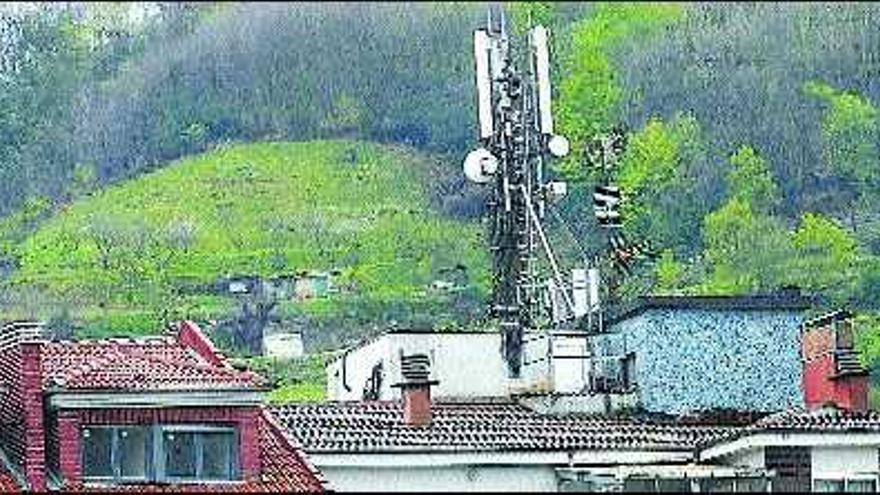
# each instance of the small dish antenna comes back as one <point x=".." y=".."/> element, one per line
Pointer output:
<point x="480" y="166"/>
<point x="558" y="146"/>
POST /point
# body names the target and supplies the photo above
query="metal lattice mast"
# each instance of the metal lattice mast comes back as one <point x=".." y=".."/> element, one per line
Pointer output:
<point x="515" y="133"/>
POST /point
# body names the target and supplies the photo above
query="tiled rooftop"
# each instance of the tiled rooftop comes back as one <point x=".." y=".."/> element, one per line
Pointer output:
<point x="823" y="419"/>
<point x="7" y="481"/>
<point x="499" y="426"/>
<point x="136" y="364"/>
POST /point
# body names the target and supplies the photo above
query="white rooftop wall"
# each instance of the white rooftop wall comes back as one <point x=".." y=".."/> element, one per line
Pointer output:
<point x="465" y="364"/>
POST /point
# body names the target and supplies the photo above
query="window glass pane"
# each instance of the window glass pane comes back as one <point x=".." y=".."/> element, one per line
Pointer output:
<point x="673" y="485"/>
<point x="751" y="485"/>
<point x="217" y="455"/>
<point x="180" y="454"/>
<point x="828" y="486"/>
<point x="860" y="486"/>
<point x="783" y="484"/>
<point x="97" y="443"/>
<point x="717" y="485"/>
<point x="132" y="452"/>
<point x="636" y="485"/>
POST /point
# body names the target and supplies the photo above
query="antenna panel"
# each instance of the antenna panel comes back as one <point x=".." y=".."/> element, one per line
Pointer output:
<point x="542" y="67"/>
<point x="484" y="83"/>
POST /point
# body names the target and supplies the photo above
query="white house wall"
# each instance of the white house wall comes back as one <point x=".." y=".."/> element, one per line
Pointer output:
<point x="835" y="462"/>
<point x="516" y="479"/>
<point x="358" y="368"/>
<point x="570" y="364"/>
<point x="466" y="365"/>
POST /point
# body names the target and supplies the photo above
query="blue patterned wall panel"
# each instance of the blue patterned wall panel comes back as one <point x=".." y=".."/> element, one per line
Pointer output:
<point x="692" y="360"/>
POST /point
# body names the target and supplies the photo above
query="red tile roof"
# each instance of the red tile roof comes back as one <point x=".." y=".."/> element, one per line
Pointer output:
<point x="136" y="364"/>
<point x="7" y="481"/>
<point x="186" y="363"/>
<point x="498" y="426"/>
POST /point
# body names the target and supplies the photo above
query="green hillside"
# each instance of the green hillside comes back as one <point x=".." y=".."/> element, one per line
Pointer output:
<point x="148" y="247"/>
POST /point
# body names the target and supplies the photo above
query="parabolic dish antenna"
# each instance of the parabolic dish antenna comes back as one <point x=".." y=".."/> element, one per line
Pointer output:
<point x="480" y="166"/>
<point x="558" y="146"/>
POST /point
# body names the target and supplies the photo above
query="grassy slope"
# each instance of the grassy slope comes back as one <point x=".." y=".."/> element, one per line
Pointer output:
<point x="263" y="209"/>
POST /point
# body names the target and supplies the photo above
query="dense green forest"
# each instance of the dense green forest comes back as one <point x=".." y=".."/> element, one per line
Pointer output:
<point x="752" y="160"/>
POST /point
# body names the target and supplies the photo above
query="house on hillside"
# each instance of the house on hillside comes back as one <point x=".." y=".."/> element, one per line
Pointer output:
<point x="151" y="413"/>
<point x="303" y="285"/>
<point x="418" y="442"/>
<point x="661" y="354"/>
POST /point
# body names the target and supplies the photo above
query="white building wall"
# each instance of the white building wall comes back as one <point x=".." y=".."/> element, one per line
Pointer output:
<point x="358" y="365"/>
<point x="516" y="479"/>
<point x="283" y="345"/>
<point x="570" y="363"/>
<point x="465" y="364"/>
<point x="837" y="462"/>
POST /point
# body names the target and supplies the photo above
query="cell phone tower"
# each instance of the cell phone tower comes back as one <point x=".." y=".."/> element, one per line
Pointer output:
<point x="516" y="140"/>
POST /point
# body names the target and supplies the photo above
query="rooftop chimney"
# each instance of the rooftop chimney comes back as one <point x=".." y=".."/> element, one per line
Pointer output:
<point x="832" y="372"/>
<point x="416" y="389"/>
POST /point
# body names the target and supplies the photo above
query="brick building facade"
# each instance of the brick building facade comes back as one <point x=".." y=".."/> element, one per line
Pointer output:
<point x="153" y="413"/>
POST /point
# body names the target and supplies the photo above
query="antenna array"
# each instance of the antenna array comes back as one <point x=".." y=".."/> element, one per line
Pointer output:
<point x="516" y="137"/>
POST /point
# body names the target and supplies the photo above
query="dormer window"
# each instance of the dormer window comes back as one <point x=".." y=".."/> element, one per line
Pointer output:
<point x="196" y="454"/>
<point x="115" y="453"/>
<point x="159" y="453"/>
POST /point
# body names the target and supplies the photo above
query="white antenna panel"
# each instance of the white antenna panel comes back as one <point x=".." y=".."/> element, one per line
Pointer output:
<point x="579" y="293"/>
<point x="542" y="67"/>
<point x="593" y="283"/>
<point x="484" y="83"/>
<point x="560" y="309"/>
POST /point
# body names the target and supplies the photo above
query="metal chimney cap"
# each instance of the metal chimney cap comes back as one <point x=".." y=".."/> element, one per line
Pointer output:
<point x="416" y="369"/>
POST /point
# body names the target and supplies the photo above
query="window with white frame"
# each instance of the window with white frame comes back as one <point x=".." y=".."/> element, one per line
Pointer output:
<point x="852" y="485"/>
<point x="720" y="484"/>
<point x="159" y="453"/>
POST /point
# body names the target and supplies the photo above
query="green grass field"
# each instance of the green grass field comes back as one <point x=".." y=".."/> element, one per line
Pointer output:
<point x="118" y="259"/>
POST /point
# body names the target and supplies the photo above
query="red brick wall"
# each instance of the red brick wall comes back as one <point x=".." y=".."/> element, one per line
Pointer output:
<point x="417" y="405"/>
<point x="817" y="385"/>
<point x="816" y="342"/>
<point x="68" y="445"/>
<point x="848" y="392"/>
<point x="70" y="423"/>
<point x="852" y="392"/>
<point x="11" y="412"/>
<point x="32" y="403"/>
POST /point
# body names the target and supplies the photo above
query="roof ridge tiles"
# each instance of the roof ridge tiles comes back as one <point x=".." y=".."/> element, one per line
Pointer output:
<point x="75" y="362"/>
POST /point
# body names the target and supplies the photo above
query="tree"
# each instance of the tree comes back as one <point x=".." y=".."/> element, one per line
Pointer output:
<point x="850" y="152"/>
<point x="826" y="257"/>
<point x="669" y="273"/>
<point x="745" y="247"/>
<point x="746" y="251"/>
<point x="663" y="176"/>
<point x="751" y="181"/>
<point x="589" y="92"/>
